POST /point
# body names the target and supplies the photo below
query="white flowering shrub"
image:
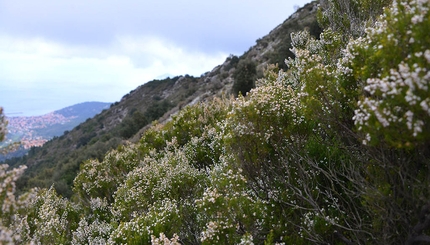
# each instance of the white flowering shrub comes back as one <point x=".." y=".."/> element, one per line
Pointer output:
<point x="50" y="218"/>
<point x="7" y="190"/>
<point x="393" y="62"/>
<point x="267" y="118"/>
<point x="10" y="229"/>
<point x="192" y="121"/>
<point x="156" y="196"/>
<point x="101" y="178"/>
<point x="95" y="225"/>
<point x="317" y="74"/>
<point x="163" y="216"/>
<point x="203" y="151"/>
<point x="95" y="232"/>
<point x="196" y="127"/>
<point x="350" y="18"/>
<point x="228" y="209"/>
<point x="165" y="175"/>
<point x="390" y="64"/>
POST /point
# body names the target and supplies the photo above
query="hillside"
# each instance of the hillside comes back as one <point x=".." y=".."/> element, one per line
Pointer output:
<point x="58" y="161"/>
<point x="334" y="150"/>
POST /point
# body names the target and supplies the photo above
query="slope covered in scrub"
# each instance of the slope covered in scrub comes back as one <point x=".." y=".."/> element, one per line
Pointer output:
<point x="333" y="151"/>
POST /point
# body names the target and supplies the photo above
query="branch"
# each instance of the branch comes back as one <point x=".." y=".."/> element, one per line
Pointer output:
<point x="424" y="224"/>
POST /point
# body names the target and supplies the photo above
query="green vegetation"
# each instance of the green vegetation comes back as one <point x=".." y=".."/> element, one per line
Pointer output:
<point x="333" y="151"/>
<point x="137" y="120"/>
<point x="244" y="77"/>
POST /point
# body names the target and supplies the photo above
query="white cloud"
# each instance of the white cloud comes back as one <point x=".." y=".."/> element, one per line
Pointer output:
<point x="78" y="74"/>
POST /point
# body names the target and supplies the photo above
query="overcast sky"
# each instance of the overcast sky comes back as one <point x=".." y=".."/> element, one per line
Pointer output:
<point x="56" y="53"/>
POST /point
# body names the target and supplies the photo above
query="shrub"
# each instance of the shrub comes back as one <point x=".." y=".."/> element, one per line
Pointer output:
<point x="350" y="18"/>
<point x="392" y="61"/>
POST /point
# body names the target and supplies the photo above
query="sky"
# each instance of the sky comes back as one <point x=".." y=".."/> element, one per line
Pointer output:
<point x="56" y="53"/>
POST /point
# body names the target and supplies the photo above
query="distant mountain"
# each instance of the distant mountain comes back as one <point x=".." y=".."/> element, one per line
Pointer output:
<point x="83" y="110"/>
<point x="74" y="115"/>
<point x="58" y="160"/>
<point x="36" y="130"/>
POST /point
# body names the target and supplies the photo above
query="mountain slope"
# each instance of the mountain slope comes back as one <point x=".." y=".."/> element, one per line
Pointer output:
<point x="59" y="159"/>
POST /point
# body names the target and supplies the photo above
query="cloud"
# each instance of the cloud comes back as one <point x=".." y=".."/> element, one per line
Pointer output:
<point x="196" y="24"/>
<point x="49" y="68"/>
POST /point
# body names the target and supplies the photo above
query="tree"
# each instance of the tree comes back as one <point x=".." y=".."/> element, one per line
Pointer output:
<point x="244" y="77"/>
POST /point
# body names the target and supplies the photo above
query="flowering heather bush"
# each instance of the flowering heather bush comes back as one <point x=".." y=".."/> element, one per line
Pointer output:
<point x="101" y="178"/>
<point x="7" y="189"/>
<point x="350" y="18"/>
<point x="393" y="62"/>
<point x="196" y="127"/>
<point x="267" y="118"/>
<point x="163" y="216"/>
<point x="96" y="232"/>
<point x="95" y="226"/>
<point x="156" y="196"/>
<point x="50" y="218"/>
<point x="317" y="75"/>
<point x="192" y="121"/>
<point x="9" y="234"/>
<point x="167" y="174"/>
<point x="228" y="209"/>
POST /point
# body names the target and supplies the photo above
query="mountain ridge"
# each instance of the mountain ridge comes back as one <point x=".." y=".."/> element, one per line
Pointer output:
<point x="84" y="109"/>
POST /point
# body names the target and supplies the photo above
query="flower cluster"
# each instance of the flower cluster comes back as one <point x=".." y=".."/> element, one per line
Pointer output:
<point x="396" y="103"/>
<point x="316" y="73"/>
<point x="96" y="232"/>
<point x="163" y="240"/>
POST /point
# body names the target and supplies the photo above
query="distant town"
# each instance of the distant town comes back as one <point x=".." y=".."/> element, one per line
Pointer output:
<point x="23" y="129"/>
<point x="33" y="131"/>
